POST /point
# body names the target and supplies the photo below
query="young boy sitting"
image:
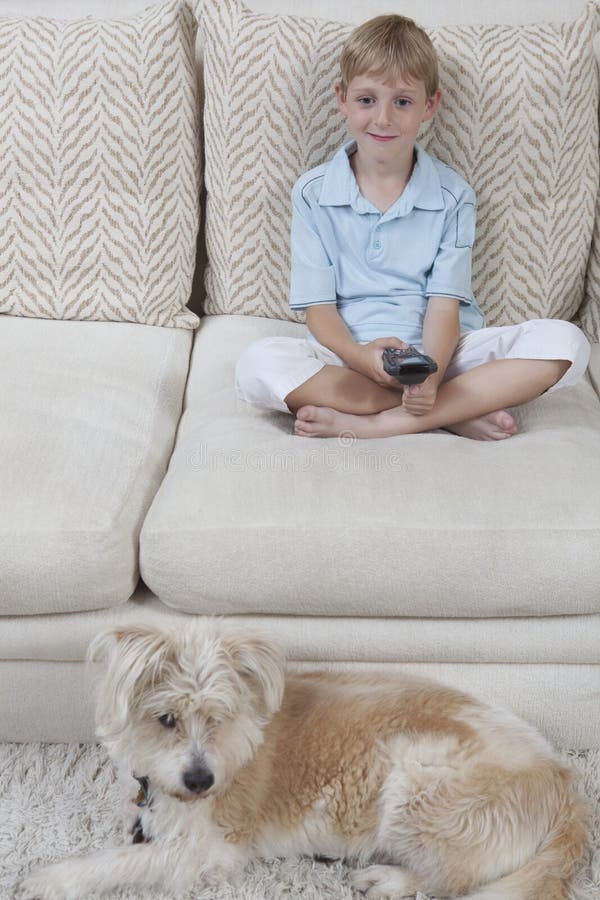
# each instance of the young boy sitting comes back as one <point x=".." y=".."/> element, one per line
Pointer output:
<point x="381" y="243"/>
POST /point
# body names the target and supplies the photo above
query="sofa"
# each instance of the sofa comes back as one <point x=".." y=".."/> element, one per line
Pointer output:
<point x="136" y="488"/>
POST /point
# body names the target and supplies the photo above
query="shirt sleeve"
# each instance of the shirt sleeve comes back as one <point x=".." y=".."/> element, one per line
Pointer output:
<point x="450" y="275"/>
<point x="312" y="274"/>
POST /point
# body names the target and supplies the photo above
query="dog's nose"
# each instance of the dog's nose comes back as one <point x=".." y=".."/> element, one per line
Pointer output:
<point x="199" y="779"/>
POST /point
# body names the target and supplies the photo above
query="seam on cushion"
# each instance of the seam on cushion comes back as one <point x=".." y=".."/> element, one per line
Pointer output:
<point x="142" y="456"/>
<point x="317" y="528"/>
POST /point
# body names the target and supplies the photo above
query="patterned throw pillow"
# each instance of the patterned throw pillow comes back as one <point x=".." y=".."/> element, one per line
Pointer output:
<point x="518" y="120"/>
<point x="589" y="313"/>
<point x="99" y="167"/>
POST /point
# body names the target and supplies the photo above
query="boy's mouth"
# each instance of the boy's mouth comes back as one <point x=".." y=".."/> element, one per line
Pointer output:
<point x="382" y="137"/>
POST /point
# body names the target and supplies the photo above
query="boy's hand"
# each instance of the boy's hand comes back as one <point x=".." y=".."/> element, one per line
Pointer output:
<point x="368" y="360"/>
<point x="419" y="399"/>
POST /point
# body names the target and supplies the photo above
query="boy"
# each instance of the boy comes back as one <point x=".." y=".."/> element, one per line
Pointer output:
<point x="381" y="257"/>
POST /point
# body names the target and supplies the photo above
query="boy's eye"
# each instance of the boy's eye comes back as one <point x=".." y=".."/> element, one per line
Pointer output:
<point x="168" y="720"/>
<point x="402" y="102"/>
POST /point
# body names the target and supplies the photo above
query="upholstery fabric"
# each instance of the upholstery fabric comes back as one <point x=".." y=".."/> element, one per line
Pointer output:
<point x="100" y="167"/>
<point x="326" y="639"/>
<point x="428" y="12"/>
<point x="545" y="669"/>
<point x="589" y="313"/>
<point x="88" y="413"/>
<point x="594" y="367"/>
<point x="530" y="150"/>
<point x="436" y="12"/>
<point x="251" y="519"/>
<point x="561" y="700"/>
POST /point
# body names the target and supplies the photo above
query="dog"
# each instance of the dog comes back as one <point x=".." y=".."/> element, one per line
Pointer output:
<point x="425" y="788"/>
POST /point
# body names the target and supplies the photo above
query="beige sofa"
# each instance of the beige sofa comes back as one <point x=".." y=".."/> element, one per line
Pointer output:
<point x="125" y="455"/>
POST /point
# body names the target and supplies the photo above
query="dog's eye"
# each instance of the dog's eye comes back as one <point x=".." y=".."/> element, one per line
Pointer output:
<point x="168" y="720"/>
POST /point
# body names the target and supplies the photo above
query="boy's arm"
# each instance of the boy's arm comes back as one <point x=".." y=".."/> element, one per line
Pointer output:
<point x="448" y="285"/>
<point x="441" y="332"/>
<point x="328" y="327"/>
<point x="312" y="288"/>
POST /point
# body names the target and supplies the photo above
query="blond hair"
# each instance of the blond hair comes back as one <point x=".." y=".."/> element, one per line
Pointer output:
<point x="393" y="47"/>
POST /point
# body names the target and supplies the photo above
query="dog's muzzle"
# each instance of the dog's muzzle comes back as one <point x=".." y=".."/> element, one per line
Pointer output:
<point x="198" y="779"/>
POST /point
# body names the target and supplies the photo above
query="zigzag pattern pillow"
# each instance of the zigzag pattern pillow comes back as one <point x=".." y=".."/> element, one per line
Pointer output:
<point x="518" y="120"/>
<point x="99" y="167"/>
<point x="589" y="313"/>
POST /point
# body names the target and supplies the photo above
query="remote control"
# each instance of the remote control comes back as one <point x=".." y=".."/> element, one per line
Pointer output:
<point x="408" y="366"/>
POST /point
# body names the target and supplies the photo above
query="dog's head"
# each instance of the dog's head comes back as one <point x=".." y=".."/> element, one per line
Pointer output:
<point x="186" y="707"/>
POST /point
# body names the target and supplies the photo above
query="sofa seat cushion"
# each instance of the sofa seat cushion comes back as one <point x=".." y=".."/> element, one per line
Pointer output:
<point x="88" y="413"/>
<point x="251" y="519"/>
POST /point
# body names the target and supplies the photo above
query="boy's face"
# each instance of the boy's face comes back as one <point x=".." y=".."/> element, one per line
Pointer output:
<point x="384" y="117"/>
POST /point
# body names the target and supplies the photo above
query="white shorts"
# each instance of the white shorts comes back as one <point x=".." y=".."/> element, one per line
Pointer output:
<point x="271" y="368"/>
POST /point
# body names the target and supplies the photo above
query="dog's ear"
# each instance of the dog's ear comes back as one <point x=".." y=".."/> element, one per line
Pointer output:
<point x="133" y="657"/>
<point x="258" y="660"/>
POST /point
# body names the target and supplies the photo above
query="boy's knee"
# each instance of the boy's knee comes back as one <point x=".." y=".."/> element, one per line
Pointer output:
<point x="257" y="370"/>
<point x="249" y="360"/>
<point x="572" y="347"/>
<point x="248" y="368"/>
<point x="584" y="351"/>
<point x="577" y="344"/>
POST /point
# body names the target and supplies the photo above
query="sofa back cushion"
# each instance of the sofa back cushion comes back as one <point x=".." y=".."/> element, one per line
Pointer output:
<point x="99" y="172"/>
<point x="518" y="120"/>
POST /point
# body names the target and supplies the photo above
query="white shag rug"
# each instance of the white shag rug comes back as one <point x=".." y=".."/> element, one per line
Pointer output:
<point x="59" y="799"/>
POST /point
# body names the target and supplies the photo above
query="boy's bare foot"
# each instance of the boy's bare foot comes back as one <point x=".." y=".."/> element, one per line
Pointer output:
<point x="496" y="426"/>
<point x="322" y="421"/>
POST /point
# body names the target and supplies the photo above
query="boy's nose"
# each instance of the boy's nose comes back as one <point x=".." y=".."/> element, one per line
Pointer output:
<point x="384" y="115"/>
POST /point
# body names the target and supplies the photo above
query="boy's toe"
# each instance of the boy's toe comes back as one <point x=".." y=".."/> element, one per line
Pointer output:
<point x="305" y="413"/>
<point x="303" y="429"/>
<point x="507" y="423"/>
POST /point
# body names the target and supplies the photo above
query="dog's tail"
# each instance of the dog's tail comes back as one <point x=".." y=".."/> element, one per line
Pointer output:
<point x="548" y="874"/>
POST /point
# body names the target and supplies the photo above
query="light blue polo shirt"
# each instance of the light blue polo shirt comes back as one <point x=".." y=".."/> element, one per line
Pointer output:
<point x="380" y="268"/>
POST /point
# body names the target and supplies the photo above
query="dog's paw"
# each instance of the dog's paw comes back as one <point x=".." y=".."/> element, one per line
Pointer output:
<point x="51" y="883"/>
<point x="389" y="882"/>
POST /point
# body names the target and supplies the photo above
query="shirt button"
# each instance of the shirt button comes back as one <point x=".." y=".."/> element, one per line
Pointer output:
<point x="377" y="245"/>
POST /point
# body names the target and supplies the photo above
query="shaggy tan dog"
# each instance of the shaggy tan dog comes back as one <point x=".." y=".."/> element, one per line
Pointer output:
<point x="431" y="788"/>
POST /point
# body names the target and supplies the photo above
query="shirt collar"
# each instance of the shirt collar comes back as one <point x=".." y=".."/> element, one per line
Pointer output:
<point x="423" y="190"/>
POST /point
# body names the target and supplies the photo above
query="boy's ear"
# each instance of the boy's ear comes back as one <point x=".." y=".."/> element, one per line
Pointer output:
<point x="431" y="106"/>
<point x="341" y="97"/>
